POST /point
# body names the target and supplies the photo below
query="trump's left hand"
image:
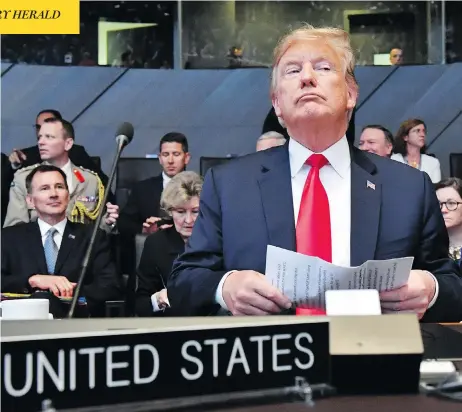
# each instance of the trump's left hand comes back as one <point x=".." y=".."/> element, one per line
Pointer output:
<point x="414" y="297"/>
<point x="112" y="213"/>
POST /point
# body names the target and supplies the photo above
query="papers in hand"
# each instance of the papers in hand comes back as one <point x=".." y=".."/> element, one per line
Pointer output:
<point x="304" y="279"/>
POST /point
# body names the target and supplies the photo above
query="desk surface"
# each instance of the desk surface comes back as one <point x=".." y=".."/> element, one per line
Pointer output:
<point x="408" y="403"/>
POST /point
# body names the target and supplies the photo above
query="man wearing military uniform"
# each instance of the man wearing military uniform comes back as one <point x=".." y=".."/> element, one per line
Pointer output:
<point x="86" y="190"/>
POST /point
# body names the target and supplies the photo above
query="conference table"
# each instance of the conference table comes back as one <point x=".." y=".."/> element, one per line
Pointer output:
<point x="434" y="342"/>
<point x="441" y="342"/>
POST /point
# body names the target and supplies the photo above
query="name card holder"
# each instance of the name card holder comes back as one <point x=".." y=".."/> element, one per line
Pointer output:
<point x="375" y="354"/>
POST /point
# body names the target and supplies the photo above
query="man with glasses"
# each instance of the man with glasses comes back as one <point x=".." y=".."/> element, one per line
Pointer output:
<point x="31" y="155"/>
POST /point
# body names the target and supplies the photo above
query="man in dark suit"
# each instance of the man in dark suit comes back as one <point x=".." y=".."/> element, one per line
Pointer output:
<point x="7" y="177"/>
<point x="47" y="254"/>
<point x="316" y="195"/>
<point x="31" y="155"/>
<point x="142" y="210"/>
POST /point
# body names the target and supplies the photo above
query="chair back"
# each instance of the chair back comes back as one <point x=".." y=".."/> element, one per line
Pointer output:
<point x="131" y="170"/>
<point x="97" y="161"/>
<point x="207" y="162"/>
<point x="455" y="165"/>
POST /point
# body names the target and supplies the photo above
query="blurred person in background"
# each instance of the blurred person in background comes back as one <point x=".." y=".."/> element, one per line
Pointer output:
<point x="449" y="193"/>
<point x="180" y="200"/>
<point x="409" y="148"/>
<point x="396" y="57"/>
<point x="376" y="139"/>
<point x="270" y="139"/>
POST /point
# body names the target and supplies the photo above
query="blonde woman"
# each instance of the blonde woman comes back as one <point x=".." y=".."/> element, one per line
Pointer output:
<point x="180" y="199"/>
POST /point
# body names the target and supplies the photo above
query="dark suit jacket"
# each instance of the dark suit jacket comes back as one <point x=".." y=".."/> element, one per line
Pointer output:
<point x="247" y="205"/>
<point x="160" y="250"/>
<point x="143" y="202"/>
<point x="7" y="178"/>
<point x="77" y="154"/>
<point x="23" y="256"/>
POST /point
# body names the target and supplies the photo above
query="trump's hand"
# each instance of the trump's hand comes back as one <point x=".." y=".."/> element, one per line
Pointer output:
<point x="247" y="292"/>
<point x="414" y="297"/>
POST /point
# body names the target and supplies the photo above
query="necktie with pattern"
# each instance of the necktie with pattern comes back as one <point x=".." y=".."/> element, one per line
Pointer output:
<point x="313" y="230"/>
<point x="51" y="250"/>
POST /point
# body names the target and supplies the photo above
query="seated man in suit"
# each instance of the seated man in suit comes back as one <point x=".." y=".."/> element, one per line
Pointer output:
<point x="47" y="254"/>
<point x="376" y="139"/>
<point x="317" y="195"/>
<point x="7" y="177"/>
<point x="270" y="139"/>
<point x="56" y="138"/>
<point x="31" y="155"/>
<point x="142" y="210"/>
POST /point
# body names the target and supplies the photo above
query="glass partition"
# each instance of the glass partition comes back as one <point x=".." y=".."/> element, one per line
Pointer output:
<point x="229" y="34"/>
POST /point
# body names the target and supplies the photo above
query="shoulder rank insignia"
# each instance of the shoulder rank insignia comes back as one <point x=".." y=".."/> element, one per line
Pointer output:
<point x="79" y="175"/>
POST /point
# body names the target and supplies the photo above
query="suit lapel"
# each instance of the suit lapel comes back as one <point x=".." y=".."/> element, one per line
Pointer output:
<point x="68" y="242"/>
<point x="276" y="195"/>
<point x="35" y="247"/>
<point x="366" y="195"/>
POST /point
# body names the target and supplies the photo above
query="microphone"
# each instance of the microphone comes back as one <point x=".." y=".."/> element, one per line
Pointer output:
<point x="124" y="136"/>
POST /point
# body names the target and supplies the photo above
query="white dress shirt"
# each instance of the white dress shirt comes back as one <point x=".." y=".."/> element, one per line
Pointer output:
<point x="165" y="179"/>
<point x="58" y="236"/>
<point x="336" y="179"/>
<point x="428" y="164"/>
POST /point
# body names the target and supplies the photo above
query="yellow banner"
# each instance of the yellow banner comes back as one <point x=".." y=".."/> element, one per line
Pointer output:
<point x="39" y="17"/>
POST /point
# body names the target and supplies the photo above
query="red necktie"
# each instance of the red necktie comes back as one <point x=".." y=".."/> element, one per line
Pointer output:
<point x="313" y="225"/>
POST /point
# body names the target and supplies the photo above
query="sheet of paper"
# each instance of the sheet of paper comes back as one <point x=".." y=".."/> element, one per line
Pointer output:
<point x="304" y="279"/>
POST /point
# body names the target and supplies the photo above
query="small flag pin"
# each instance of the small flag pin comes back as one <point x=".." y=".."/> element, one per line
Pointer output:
<point x="71" y="236"/>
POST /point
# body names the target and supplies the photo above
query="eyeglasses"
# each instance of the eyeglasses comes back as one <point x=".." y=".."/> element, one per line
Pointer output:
<point x="451" y="205"/>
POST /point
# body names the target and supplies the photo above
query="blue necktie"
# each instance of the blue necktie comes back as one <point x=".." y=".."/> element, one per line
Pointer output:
<point x="51" y="250"/>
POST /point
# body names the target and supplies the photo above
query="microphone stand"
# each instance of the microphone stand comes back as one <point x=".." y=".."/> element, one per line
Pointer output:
<point x="86" y="259"/>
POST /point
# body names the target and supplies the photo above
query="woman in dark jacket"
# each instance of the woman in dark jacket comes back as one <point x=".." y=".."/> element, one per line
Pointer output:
<point x="180" y="199"/>
<point x="449" y="193"/>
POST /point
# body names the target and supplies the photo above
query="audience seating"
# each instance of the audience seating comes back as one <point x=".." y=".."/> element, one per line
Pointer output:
<point x="96" y="161"/>
<point x="131" y="170"/>
<point x="132" y="282"/>
<point x="207" y="162"/>
<point x="455" y="165"/>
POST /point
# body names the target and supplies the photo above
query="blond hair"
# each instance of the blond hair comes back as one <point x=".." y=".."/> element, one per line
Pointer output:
<point x="336" y="38"/>
<point x="180" y="190"/>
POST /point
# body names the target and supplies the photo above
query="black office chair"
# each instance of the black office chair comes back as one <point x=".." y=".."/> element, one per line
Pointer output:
<point x="207" y="162"/>
<point x="132" y="282"/>
<point x="97" y="161"/>
<point x="455" y="165"/>
<point x="131" y="170"/>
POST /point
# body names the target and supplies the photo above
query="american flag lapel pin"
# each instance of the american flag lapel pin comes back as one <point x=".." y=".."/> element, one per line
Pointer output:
<point x="71" y="236"/>
<point x="370" y="185"/>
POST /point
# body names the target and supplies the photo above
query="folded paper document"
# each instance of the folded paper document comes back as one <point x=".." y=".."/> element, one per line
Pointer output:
<point x="304" y="279"/>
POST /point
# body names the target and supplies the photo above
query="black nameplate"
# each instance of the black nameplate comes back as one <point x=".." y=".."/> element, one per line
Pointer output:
<point x="109" y="369"/>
